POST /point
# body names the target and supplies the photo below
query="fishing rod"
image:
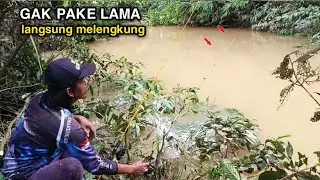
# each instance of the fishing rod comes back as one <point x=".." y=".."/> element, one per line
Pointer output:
<point x="119" y="152"/>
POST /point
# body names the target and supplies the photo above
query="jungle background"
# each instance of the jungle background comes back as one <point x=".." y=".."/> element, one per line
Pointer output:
<point x="131" y="110"/>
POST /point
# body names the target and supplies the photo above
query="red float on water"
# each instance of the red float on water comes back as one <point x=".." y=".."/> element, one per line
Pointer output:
<point x="221" y="29"/>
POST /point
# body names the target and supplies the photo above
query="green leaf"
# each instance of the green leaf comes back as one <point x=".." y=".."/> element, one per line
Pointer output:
<point x="289" y="150"/>
<point x="194" y="111"/>
<point x="139" y="85"/>
<point x="270" y="175"/>
<point x="318" y="155"/>
<point x="138" y="97"/>
<point x="230" y="172"/>
<point x="301" y="155"/>
<point x="313" y="169"/>
<point x="298" y="164"/>
<point x="278" y="146"/>
<point x="285" y="136"/>
<point x="307" y="176"/>
<point x="286" y="165"/>
<point x="110" y="116"/>
<point x="91" y="90"/>
<point x="65" y="3"/>
<point x="291" y="163"/>
<point x="305" y="161"/>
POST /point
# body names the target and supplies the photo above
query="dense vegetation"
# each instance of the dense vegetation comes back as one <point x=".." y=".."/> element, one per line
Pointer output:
<point x="297" y="17"/>
<point x="139" y="112"/>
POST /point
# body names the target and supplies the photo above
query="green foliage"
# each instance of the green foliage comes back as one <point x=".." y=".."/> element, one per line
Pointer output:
<point x="166" y="13"/>
<point x="275" y="160"/>
<point x="232" y="132"/>
<point x="284" y="152"/>
<point x="205" y="12"/>
<point x="282" y="18"/>
<point x="176" y="12"/>
<point x="26" y="67"/>
<point x="23" y="77"/>
<point x="225" y="171"/>
<point x="288" y="18"/>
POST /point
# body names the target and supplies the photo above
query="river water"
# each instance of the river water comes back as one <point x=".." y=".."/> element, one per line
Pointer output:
<point x="235" y="72"/>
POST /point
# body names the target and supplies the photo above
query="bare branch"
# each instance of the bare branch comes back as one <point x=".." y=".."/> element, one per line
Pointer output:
<point x="301" y="84"/>
<point x="18" y="87"/>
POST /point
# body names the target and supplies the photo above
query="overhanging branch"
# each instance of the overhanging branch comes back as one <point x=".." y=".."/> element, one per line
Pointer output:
<point x="307" y="55"/>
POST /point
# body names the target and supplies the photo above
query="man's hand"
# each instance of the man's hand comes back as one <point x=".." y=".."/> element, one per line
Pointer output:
<point x="138" y="168"/>
<point x="86" y="125"/>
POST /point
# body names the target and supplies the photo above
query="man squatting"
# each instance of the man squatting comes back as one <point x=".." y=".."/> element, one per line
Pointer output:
<point x="49" y="142"/>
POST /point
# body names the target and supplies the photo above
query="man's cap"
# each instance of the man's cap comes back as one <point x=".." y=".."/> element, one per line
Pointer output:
<point x="63" y="72"/>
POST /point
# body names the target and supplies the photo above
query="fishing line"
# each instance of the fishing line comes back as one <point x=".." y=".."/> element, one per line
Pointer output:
<point x="214" y="65"/>
<point x="138" y="107"/>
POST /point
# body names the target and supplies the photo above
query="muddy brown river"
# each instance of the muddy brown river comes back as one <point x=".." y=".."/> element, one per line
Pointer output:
<point x="235" y="71"/>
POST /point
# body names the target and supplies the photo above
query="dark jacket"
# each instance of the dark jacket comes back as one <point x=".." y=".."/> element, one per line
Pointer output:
<point x="41" y="135"/>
